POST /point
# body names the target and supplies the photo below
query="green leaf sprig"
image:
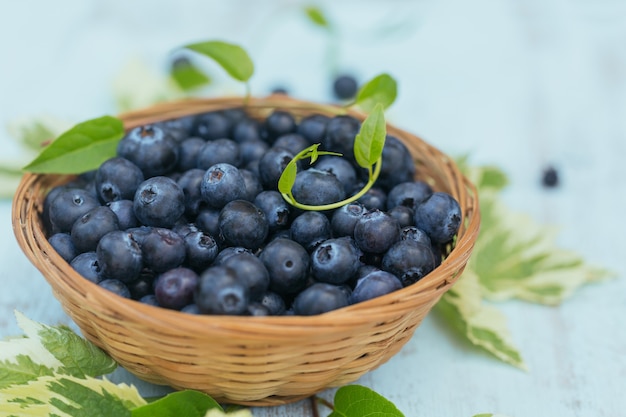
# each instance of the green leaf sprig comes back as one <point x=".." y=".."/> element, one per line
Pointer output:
<point x="368" y="150"/>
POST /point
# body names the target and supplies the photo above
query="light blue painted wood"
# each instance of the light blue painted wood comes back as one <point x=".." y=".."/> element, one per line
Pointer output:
<point x="515" y="83"/>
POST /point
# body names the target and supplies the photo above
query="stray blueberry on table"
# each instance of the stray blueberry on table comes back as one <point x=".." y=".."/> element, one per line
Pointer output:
<point x="550" y="177"/>
<point x="345" y="87"/>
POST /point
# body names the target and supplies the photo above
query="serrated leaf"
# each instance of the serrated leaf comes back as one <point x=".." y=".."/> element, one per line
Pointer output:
<point x="514" y="257"/>
<point x="67" y="396"/>
<point x="79" y="357"/>
<point x="316" y="16"/>
<point x="232" y="58"/>
<point x="182" y="403"/>
<point x="188" y="77"/>
<point x="20" y="370"/>
<point x="369" y="142"/>
<point x="483" y="325"/>
<point x="360" y="401"/>
<point x="82" y="148"/>
<point x="382" y="90"/>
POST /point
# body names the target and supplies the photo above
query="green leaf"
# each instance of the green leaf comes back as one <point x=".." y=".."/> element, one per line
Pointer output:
<point x="80" y="358"/>
<point x="482" y="324"/>
<point x="369" y="142"/>
<point x="182" y="403"/>
<point x="67" y="396"/>
<point x="514" y="257"/>
<point x="360" y="401"/>
<point x="188" y="77"/>
<point x="382" y="89"/>
<point x="232" y="58"/>
<point x="21" y="370"/>
<point x="316" y="16"/>
<point x="82" y="148"/>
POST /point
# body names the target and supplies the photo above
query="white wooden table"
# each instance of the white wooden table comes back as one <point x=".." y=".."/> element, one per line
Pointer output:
<point x="516" y="83"/>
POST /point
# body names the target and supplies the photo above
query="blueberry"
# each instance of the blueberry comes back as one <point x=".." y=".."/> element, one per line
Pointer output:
<point x="404" y="215"/>
<point x="313" y="127"/>
<point x="335" y="261"/>
<point x="409" y="261"/>
<point x="182" y="228"/>
<point x="125" y="213"/>
<point x="345" y="87"/>
<point x="188" y="151"/>
<point x="201" y="249"/>
<point x="174" y="288"/>
<point x="119" y="256"/>
<point x="208" y="221"/>
<point x="243" y="224"/>
<point x="252" y="184"/>
<point x="212" y="125"/>
<point x="376" y="231"/>
<point x="218" y="151"/>
<point x="151" y="148"/>
<point x="439" y="216"/>
<point x="142" y="286"/>
<point x="222" y="183"/>
<point x="117" y="179"/>
<point x="190" y="183"/>
<point x="374" y="199"/>
<point x="278" y="123"/>
<point x="163" y="249"/>
<point x="63" y="245"/>
<point x="340" y="168"/>
<point x="340" y="134"/>
<point x="375" y="284"/>
<point x="315" y="187"/>
<point x="397" y="164"/>
<point x="247" y="130"/>
<point x="277" y="210"/>
<point x="288" y="264"/>
<point x="148" y="299"/>
<point x="68" y="206"/>
<point x="159" y="201"/>
<point x="116" y="287"/>
<point x="226" y="253"/>
<point x="550" y="177"/>
<point x="91" y="226"/>
<point x="191" y="309"/>
<point x="319" y="298"/>
<point x="274" y="303"/>
<point x="256" y="309"/>
<point x="252" y="151"/>
<point x="408" y="194"/>
<point x="272" y="165"/>
<point x="219" y="291"/>
<point x="139" y="234"/>
<point x="412" y="233"/>
<point x="310" y="229"/>
<point x="86" y="264"/>
<point x="344" y="219"/>
<point x="251" y="270"/>
<point x="292" y="141"/>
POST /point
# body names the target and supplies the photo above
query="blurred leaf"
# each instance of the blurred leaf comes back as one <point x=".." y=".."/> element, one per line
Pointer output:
<point x="188" y="77"/>
<point x="232" y="58"/>
<point x="316" y="16"/>
<point x="35" y="132"/>
<point x="382" y="89"/>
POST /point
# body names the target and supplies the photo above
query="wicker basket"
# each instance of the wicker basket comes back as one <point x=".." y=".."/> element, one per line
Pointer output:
<point x="256" y="361"/>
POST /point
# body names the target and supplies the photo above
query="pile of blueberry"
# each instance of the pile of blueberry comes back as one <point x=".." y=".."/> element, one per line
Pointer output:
<point x="187" y="216"/>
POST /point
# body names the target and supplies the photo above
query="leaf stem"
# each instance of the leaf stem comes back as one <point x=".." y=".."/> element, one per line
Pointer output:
<point x="324" y="402"/>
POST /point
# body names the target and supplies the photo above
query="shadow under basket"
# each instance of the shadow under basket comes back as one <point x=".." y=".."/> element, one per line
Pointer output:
<point x="255" y="361"/>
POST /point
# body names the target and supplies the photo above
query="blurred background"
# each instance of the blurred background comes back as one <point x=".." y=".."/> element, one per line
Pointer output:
<point x="519" y="84"/>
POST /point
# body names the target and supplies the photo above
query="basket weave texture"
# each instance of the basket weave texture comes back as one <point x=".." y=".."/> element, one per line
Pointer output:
<point x="258" y="361"/>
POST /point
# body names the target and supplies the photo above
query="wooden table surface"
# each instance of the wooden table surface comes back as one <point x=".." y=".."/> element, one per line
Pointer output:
<point x="515" y="83"/>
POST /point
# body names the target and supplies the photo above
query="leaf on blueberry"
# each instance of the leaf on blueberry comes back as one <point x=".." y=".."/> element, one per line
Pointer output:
<point x="232" y="58"/>
<point x="370" y="141"/>
<point x="382" y="89"/>
<point x="82" y="148"/>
